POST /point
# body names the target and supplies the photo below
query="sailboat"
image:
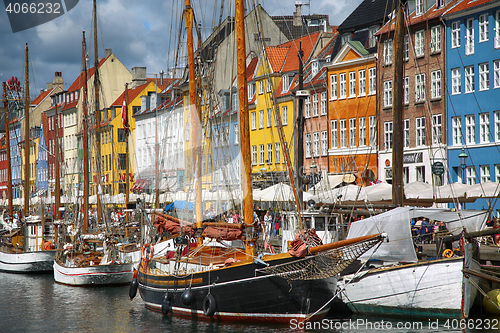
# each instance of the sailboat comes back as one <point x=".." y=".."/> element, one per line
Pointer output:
<point x="80" y="262"/>
<point x="233" y="284"/>
<point x="22" y="247"/>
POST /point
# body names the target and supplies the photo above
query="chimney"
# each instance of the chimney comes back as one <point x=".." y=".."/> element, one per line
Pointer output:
<point x="58" y="81"/>
<point x="138" y="76"/>
<point x="107" y="52"/>
<point x="297" y="15"/>
<point x="153" y="101"/>
<point x="161" y="77"/>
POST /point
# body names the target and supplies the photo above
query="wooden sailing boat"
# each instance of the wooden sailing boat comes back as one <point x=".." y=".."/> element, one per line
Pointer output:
<point x="78" y="263"/>
<point x="22" y="248"/>
<point x="237" y="285"/>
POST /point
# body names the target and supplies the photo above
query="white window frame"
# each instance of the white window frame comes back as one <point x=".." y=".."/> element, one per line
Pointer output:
<point x="388" y="52"/>
<point x="419" y="43"/>
<point x="455" y="34"/>
<point x="419" y="7"/>
<point x="284" y="115"/>
<point x="362" y="82"/>
<point x="484" y="127"/>
<point x="419" y="88"/>
<point x="496" y="74"/>
<point x="436" y="39"/>
<point x="333" y="86"/>
<point x="483" y="21"/>
<point x="352" y="84"/>
<point x="343" y="133"/>
<point x="484" y="76"/>
<point x="316" y="144"/>
<point x="406" y="133"/>
<point x="436" y="84"/>
<point x="485" y="173"/>
<point x="469" y="36"/>
<point x="307" y="108"/>
<point x="308" y="145"/>
<point x="420" y="131"/>
<point x="388" y="93"/>
<point x="262" y="155"/>
<point x="323" y="104"/>
<point x="268" y="85"/>
<point x="277" y="153"/>
<point x="456" y="81"/>
<point x="261" y="119"/>
<point x="372" y="81"/>
<point x="362" y="132"/>
<point x="470" y="129"/>
<point x="497" y="29"/>
<point x="469" y="79"/>
<point x="437" y="129"/>
<point x="315" y="105"/>
<point x="457" y="131"/>
<point x="496" y="128"/>
<point x="471" y="175"/>
<point x="254" y="120"/>
<point x="406" y="90"/>
<point x="269" y="117"/>
<point x="406" y="50"/>
<point x="324" y="143"/>
<point x="254" y="155"/>
<point x="497" y="173"/>
<point x="352" y="132"/>
<point x="261" y="87"/>
<point x="388" y="128"/>
<point x="334" y="134"/>
<point x="251" y="91"/>
<point x="343" y="86"/>
<point x="269" y="153"/>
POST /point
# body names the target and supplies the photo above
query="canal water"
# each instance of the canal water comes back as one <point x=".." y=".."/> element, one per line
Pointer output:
<point x="35" y="303"/>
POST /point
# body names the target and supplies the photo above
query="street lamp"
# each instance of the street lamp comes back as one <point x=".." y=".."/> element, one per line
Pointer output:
<point x="463" y="163"/>
<point x="313" y="167"/>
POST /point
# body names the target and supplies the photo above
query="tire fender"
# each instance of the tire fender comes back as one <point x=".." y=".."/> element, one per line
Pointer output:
<point x="209" y="305"/>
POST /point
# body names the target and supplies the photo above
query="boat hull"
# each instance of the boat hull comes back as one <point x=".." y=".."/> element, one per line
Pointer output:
<point x="430" y="289"/>
<point x="93" y="275"/>
<point x="240" y="294"/>
<point x="27" y="262"/>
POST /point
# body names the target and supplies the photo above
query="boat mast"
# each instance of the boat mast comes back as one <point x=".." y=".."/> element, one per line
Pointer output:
<point x="7" y="142"/>
<point x="126" y="128"/>
<point x="397" y="116"/>
<point x="300" y="133"/>
<point x="58" y="182"/>
<point x="244" y="130"/>
<point x="97" y="119"/>
<point x="195" y="119"/>
<point x="27" y="139"/>
<point x="85" y="141"/>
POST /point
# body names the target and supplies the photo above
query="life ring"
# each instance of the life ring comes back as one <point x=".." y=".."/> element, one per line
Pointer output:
<point x="209" y="305"/>
<point x="447" y="253"/>
<point x="151" y="252"/>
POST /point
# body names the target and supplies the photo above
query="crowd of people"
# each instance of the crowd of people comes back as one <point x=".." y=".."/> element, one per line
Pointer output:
<point x="425" y="231"/>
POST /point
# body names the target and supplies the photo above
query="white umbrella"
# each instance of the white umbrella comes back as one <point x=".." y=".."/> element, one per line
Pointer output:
<point x="341" y="194"/>
<point x="483" y="190"/>
<point x="416" y="187"/>
<point x="379" y="192"/>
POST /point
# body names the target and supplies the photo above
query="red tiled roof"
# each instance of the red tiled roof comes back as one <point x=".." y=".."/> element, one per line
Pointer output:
<point x="41" y="97"/>
<point x="292" y="60"/>
<point x="467" y="4"/>
<point x="133" y="93"/>
<point x="277" y="56"/>
<point x="251" y="68"/>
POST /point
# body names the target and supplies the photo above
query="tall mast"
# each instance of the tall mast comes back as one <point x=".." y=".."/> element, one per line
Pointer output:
<point x="7" y="142"/>
<point x="97" y="118"/>
<point x="300" y="132"/>
<point x="195" y="118"/>
<point x="27" y="139"/>
<point x="397" y="120"/>
<point x="127" y="176"/>
<point x="85" y="141"/>
<point x="58" y="181"/>
<point x="244" y="130"/>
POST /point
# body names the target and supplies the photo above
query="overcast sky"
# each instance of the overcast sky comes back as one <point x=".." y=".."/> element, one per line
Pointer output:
<point x="138" y="32"/>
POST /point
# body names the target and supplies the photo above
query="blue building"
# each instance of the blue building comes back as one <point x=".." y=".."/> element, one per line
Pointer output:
<point x="42" y="164"/>
<point x="473" y="84"/>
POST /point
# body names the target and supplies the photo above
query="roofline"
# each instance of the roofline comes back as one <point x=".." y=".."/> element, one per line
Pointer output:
<point x="468" y="11"/>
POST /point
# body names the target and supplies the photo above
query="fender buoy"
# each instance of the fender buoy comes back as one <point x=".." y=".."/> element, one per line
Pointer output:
<point x="187" y="297"/>
<point x="209" y="305"/>
<point x="133" y="288"/>
<point x="144" y="256"/>
<point x="165" y="304"/>
<point x="447" y="253"/>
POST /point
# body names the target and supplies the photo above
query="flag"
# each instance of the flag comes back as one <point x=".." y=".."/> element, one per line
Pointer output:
<point x="124" y="113"/>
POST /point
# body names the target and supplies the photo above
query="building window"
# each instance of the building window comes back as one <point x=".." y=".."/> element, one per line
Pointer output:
<point x="362" y="131"/>
<point x="286" y="82"/>
<point x="333" y="134"/>
<point x="308" y="145"/>
<point x="307" y="112"/>
<point x="471" y="175"/>
<point x="469" y="37"/>
<point x="352" y="132"/>
<point x="254" y="121"/>
<point x="387" y="93"/>
<point x="251" y="90"/>
<point x="284" y="117"/>
<point x="277" y="152"/>
<point x="343" y="83"/>
<point x="314" y="68"/>
<point x="122" y="161"/>
<point x="420" y="131"/>
<point x="372" y="81"/>
<point x="372" y="123"/>
<point x="497" y="29"/>
<point x="484" y="76"/>
<point x="437" y="129"/>
<point x="436" y="39"/>
<point x="261" y="87"/>
<point x="455" y="34"/>
<point x="420" y="173"/>
<point x="406" y="50"/>
<point x="497" y="173"/>
<point x="484" y="127"/>
<point x="419" y="43"/>
<point x="121" y="135"/>
<point x="236" y="131"/>
<point x="316" y="144"/>
<point x="485" y="173"/>
<point x="469" y="79"/>
<point x="436" y="84"/>
<point x="254" y="155"/>
<point x="388" y="135"/>
<point x="439" y="4"/>
<point x="470" y="128"/>
<point x="496" y="116"/>
<point x="419" y="87"/>
<point x="483" y="28"/>
<point x="343" y="133"/>
<point x="352" y="84"/>
<point x="456" y="84"/>
<point x="419" y="7"/>
<point x="323" y="103"/>
<point x="324" y="143"/>
<point x="270" y="153"/>
<point x="406" y="89"/>
<point x="362" y="82"/>
<point x="262" y="154"/>
<point x="315" y="105"/>
<point x="268" y="85"/>
<point x="388" y="52"/>
<point x="261" y="119"/>
<point x="269" y="117"/>
<point x="496" y="74"/>
<point x="406" y="129"/>
<point x="333" y="86"/>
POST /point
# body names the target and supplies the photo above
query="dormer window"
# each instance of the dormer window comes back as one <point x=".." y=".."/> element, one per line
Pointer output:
<point x="314" y="22"/>
<point x="314" y="68"/>
<point x="439" y="4"/>
<point x="372" y="40"/>
<point x="419" y="7"/>
<point x="287" y="81"/>
<point x="346" y="38"/>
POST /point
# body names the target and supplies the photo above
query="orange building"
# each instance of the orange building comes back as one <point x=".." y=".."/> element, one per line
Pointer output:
<point x="352" y="112"/>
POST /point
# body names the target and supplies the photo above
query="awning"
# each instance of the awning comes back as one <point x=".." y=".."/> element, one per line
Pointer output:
<point x="332" y="182"/>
